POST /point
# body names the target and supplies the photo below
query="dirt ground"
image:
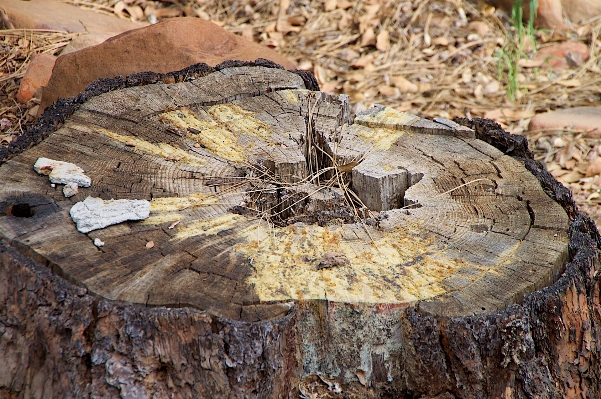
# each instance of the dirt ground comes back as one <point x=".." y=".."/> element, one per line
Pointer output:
<point x="434" y="58"/>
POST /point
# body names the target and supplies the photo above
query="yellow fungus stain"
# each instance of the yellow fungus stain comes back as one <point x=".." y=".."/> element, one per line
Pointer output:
<point x="387" y="117"/>
<point x="162" y="150"/>
<point x="290" y="96"/>
<point x="163" y="210"/>
<point x="381" y="138"/>
<point x="396" y="267"/>
<point x="219" y="129"/>
<point x="209" y="227"/>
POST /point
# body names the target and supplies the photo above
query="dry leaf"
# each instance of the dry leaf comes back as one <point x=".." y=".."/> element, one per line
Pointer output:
<point x="247" y="33"/>
<point x="297" y="20"/>
<point x="136" y="12"/>
<point x="594" y="168"/>
<point x="345" y="21"/>
<point x="517" y="114"/>
<point x="478" y="92"/>
<point x="530" y="63"/>
<point x="363" y="61"/>
<point x="440" y="41"/>
<point x="570" y="83"/>
<point x="492" y="87"/>
<point x="329" y="87"/>
<point x="404" y="85"/>
<point x="119" y="8"/>
<point x="368" y="38"/>
<point x="466" y="76"/>
<point x="149" y="244"/>
<point x="383" y="41"/>
<point x="387" y="91"/>
<point x="362" y="377"/>
<point x="343" y="4"/>
<point x="571" y="177"/>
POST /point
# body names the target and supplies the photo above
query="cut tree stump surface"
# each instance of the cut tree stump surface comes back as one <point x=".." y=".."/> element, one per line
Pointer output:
<point x="266" y="180"/>
<point x="326" y="244"/>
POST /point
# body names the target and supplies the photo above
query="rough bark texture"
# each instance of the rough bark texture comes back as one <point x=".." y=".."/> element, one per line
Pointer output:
<point x="59" y="339"/>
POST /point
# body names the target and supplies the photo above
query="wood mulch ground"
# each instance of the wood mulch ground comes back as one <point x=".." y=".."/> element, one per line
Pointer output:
<point x="434" y="58"/>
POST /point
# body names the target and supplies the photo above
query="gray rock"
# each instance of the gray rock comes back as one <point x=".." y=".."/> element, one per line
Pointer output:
<point x="96" y="213"/>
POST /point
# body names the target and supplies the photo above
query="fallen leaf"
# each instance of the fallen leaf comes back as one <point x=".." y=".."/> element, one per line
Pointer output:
<point x="492" y="87"/>
<point x="383" y="41"/>
<point x="404" y="85"/>
<point x="440" y="41"/>
<point x="368" y="38"/>
<point x="517" y="114"/>
<point x="387" y="91"/>
<point x="570" y="83"/>
<point x="594" y="168"/>
<point x="363" y="61"/>
<point x="362" y="377"/>
<point x="571" y="177"/>
<point x="330" y="5"/>
<point x="530" y="63"/>
<point x="247" y="33"/>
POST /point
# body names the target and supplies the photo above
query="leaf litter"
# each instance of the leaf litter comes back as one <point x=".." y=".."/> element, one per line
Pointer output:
<point x="433" y="58"/>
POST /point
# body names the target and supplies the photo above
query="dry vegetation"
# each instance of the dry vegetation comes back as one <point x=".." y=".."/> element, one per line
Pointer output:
<point x="429" y="57"/>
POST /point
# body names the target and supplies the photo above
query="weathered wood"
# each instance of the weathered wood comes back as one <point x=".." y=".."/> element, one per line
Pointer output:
<point x="287" y="239"/>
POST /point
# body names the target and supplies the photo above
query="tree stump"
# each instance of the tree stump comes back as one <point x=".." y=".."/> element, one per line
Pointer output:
<point x="291" y="248"/>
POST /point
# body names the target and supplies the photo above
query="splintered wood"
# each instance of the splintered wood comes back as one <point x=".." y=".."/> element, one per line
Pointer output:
<point x="263" y="192"/>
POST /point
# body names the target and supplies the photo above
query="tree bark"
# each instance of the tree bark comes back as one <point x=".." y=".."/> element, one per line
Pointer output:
<point x="292" y="249"/>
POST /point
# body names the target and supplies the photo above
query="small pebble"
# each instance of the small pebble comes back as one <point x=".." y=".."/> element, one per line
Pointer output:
<point x="98" y="242"/>
<point x="70" y="189"/>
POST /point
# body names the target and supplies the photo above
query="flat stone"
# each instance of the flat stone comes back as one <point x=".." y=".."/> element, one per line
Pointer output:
<point x="552" y="13"/>
<point x="56" y="15"/>
<point x="96" y="213"/>
<point x="580" y="118"/>
<point x="167" y="46"/>
<point x="36" y="76"/>
<point x="564" y="55"/>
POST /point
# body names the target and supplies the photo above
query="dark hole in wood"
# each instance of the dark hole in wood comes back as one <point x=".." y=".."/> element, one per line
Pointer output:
<point x="20" y="210"/>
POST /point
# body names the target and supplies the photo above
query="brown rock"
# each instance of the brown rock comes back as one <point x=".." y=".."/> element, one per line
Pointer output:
<point x="549" y="14"/>
<point x="37" y="75"/>
<point x="89" y="40"/>
<point x="180" y="42"/>
<point x="579" y="11"/>
<point x="56" y="15"/>
<point x="580" y="118"/>
<point x="564" y="55"/>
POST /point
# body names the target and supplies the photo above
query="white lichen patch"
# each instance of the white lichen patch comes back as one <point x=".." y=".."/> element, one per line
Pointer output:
<point x="60" y="172"/>
<point x="219" y="129"/>
<point x="396" y="267"/>
<point x="96" y="213"/>
<point x="209" y="227"/>
<point x="162" y="150"/>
